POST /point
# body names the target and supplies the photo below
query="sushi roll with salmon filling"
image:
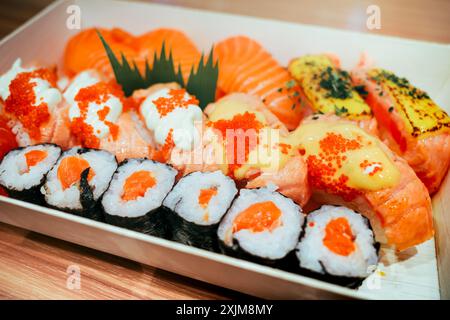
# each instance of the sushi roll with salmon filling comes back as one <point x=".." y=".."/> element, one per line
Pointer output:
<point x="338" y="246"/>
<point x="261" y="226"/>
<point x="23" y="170"/>
<point x="135" y="195"/>
<point x="196" y="205"/>
<point x="78" y="180"/>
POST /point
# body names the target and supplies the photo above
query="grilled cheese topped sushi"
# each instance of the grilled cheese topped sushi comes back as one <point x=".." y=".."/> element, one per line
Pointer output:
<point x="347" y="166"/>
<point x="410" y="122"/>
<point x="325" y="89"/>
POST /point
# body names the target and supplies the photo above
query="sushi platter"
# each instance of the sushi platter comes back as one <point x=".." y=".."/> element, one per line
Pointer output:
<point x="232" y="154"/>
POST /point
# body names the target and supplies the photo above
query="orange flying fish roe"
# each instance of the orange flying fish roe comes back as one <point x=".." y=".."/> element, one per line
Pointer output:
<point x="339" y="237"/>
<point x="376" y="166"/>
<point x="137" y="184"/>
<point x="249" y="126"/>
<point x="205" y="196"/>
<point x="165" y="105"/>
<point x="323" y="167"/>
<point x="258" y="217"/>
<point x="70" y="170"/>
<point x="33" y="157"/>
<point x="163" y="154"/>
<point x="98" y="93"/>
<point x="22" y="100"/>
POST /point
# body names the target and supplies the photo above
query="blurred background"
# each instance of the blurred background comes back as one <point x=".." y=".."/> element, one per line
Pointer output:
<point x="416" y="19"/>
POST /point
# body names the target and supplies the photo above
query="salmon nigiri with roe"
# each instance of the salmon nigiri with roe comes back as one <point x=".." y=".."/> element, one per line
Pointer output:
<point x="412" y="124"/>
<point x="349" y="167"/>
<point x="246" y="67"/>
<point x="32" y="105"/>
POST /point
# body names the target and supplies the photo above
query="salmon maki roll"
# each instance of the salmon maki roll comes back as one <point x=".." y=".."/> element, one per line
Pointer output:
<point x="261" y="226"/>
<point x="246" y="67"/>
<point x="327" y="89"/>
<point x="410" y="122"/>
<point x="349" y="167"/>
<point x="135" y="195"/>
<point x="78" y="180"/>
<point x="23" y="170"/>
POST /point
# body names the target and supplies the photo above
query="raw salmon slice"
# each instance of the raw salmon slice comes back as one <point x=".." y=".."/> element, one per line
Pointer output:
<point x="246" y="67"/>
<point x="85" y="50"/>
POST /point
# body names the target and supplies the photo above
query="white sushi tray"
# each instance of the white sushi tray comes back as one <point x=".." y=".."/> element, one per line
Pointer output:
<point x="419" y="273"/>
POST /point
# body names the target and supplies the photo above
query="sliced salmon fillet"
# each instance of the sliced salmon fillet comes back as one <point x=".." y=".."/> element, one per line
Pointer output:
<point x="410" y="123"/>
<point x="184" y="52"/>
<point x="400" y="213"/>
<point x="326" y="88"/>
<point x="246" y="67"/>
<point x="85" y="50"/>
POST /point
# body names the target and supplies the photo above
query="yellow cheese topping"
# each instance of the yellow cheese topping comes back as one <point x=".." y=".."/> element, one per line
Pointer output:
<point x="422" y="117"/>
<point x="344" y="159"/>
<point x="328" y="89"/>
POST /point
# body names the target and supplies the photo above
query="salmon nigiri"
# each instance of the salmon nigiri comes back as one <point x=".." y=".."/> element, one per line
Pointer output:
<point x="184" y="52"/>
<point x="98" y="117"/>
<point x="325" y="88"/>
<point x="33" y="104"/>
<point x="246" y="67"/>
<point x="410" y="122"/>
<point x="347" y="166"/>
<point x="85" y="50"/>
<point x="246" y="128"/>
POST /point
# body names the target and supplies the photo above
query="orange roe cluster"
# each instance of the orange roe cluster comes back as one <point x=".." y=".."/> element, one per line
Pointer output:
<point x="163" y="154"/>
<point x="98" y="93"/>
<point x="376" y="166"/>
<point x="323" y="167"/>
<point x="284" y="147"/>
<point x="166" y="105"/>
<point x="248" y="126"/>
<point x="22" y="103"/>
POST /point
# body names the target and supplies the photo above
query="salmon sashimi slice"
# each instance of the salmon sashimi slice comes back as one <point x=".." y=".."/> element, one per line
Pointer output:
<point x="347" y="166"/>
<point x="327" y="89"/>
<point x="246" y="67"/>
<point x="184" y="52"/>
<point x="131" y="142"/>
<point x="85" y="51"/>
<point x="410" y="123"/>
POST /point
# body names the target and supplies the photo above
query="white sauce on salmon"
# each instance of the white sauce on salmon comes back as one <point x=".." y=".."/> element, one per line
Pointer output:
<point x="181" y="120"/>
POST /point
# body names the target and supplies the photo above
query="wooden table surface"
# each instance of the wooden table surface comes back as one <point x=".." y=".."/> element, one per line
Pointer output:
<point x="34" y="266"/>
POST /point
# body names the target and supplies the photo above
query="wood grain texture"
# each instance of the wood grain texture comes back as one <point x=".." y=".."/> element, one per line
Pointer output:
<point x="33" y="266"/>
